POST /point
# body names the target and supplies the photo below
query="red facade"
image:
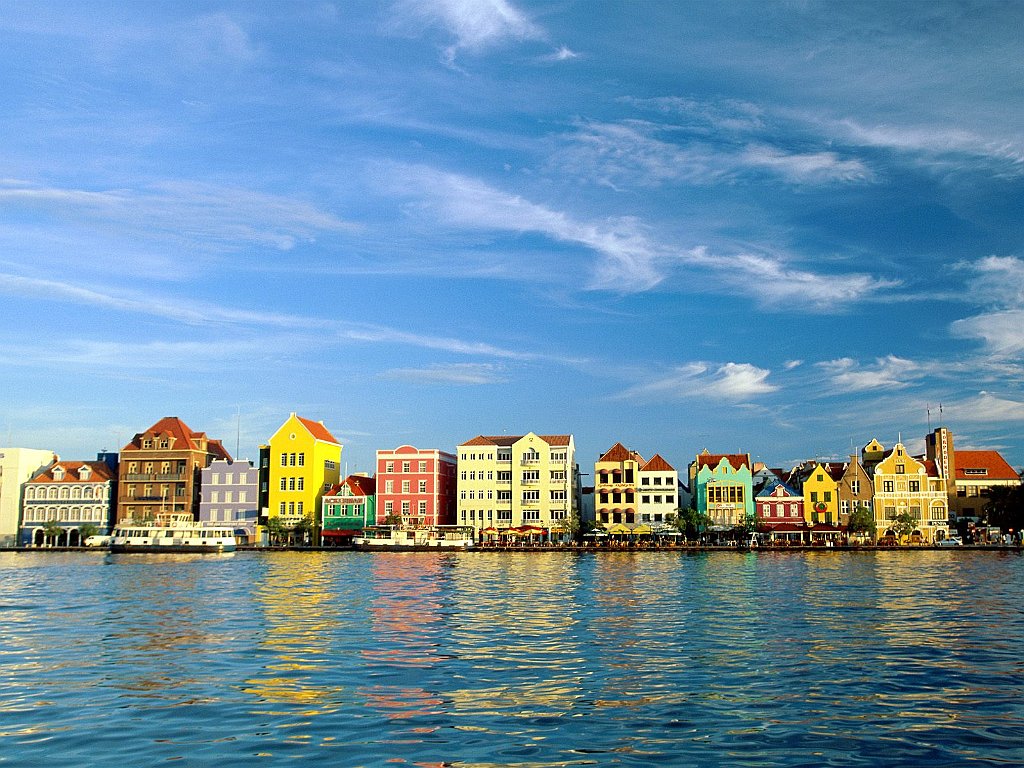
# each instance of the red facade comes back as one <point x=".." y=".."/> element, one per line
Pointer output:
<point x="417" y="485"/>
<point x="780" y="505"/>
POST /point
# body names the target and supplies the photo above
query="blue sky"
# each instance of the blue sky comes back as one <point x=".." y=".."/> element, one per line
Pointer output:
<point x="774" y="228"/>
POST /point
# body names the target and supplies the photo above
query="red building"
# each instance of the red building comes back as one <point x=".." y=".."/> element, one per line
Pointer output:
<point x="417" y="485"/>
<point x="781" y="509"/>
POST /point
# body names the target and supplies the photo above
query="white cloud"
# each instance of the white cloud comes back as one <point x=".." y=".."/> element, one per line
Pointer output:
<point x="998" y="281"/>
<point x="216" y="38"/>
<point x="635" y="153"/>
<point x="1001" y="332"/>
<point x="202" y="213"/>
<point x="888" y="372"/>
<point x="987" y="407"/>
<point x="629" y="259"/>
<point x="731" y="381"/>
<point x="464" y="374"/>
<point x="476" y="25"/>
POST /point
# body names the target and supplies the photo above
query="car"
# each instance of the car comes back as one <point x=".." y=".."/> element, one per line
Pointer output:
<point x="952" y="541"/>
<point x="98" y="541"/>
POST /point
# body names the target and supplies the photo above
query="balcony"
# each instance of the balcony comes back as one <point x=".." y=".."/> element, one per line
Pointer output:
<point x="151" y="477"/>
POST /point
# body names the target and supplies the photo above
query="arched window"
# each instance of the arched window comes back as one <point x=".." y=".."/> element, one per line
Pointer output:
<point x="87" y="493"/>
<point x="53" y="492"/>
<point x="64" y="493"/>
<point x="76" y="492"/>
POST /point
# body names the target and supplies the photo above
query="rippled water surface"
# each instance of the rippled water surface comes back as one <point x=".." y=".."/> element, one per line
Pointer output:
<point x="486" y="659"/>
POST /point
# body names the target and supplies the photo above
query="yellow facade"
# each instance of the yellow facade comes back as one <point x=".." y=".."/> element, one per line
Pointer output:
<point x="821" y="497"/>
<point x="305" y="462"/>
<point x="511" y="481"/>
<point x="904" y="485"/>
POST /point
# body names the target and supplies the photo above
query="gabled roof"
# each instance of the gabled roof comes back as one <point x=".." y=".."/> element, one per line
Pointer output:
<point x="508" y="440"/>
<point x="317" y="430"/>
<point x="771" y="486"/>
<point x="619" y="452"/>
<point x="995" y="466"/>
<point x="354" y="485"/>
<point x="100" y="472"/>
<point x="184" y="438"/>
<point x="657" y="464"/>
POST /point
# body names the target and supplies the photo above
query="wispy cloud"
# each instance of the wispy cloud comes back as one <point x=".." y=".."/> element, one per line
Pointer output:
<point x="888" y="372"/>
<point x="184" y="210"/>
<point x="997" y="282"/>
<point x="988" y="407"/>
<point x="636" y="153"/>
<point x="476" y="25"/>
<point x="1001" y="332"/>
<point x="730" y="381"/>
<point x="460" y="374"/>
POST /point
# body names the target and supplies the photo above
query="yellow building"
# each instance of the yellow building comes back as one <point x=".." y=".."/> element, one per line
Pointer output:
<point x="904" y="484"/>
<point x="821" y="494"/>
<point x="304" y="461"/>
<point x="616" y="475"/>
<point x="517" y="482"/>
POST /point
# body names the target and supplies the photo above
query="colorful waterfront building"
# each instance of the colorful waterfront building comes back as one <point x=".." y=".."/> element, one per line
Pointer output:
<point x="820" y="487"/>
<point x="303" y="462"/>
<point x="658" y="493"/>
<point x="781" y="509"/>
<point x="970" y="475"/>
<point x="722" y="487"/>
<point x="416" y="487"/>
<point x="348" y="507"/>
<point x="616" y="475"/>
<point x="523" y="482"/>
<point x="16" y="466"/>
<point x="229" y="494"/>
<point x="75" y="497"/>
<point x="855" y="489"/>
<point x="904" y="484"/>
<point x="158" y="471"/>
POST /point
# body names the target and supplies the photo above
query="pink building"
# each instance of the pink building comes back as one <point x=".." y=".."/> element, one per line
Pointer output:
<point x="416" y="485"/>
<point x="778" y="504"/>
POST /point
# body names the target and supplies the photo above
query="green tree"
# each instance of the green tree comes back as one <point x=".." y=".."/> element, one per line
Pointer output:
<point x="904" y="524"/>
<point x="303" y="529"/>
<point x="275" y="530"/>
<point x="691" y="523"/>
<point x="393" y="519"/>
<point x="862" y="520"/>
<point x="569" y="526"/>
<point x="51" y="530"/>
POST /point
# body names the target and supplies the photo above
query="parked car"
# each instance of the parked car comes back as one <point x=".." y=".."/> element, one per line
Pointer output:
<point x="98" y="541"/>
<point x="952" y="541"/>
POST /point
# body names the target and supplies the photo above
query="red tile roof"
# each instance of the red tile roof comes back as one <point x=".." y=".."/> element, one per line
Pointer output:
<point x="100" y="472"/>
<point x="657" y="464"/>
<point x="995" y="465"/>
<point x="184" y="438"/>
<point x="737" y="460"/>
<point x="553" y="440"/>
<point x="318" y="430"/>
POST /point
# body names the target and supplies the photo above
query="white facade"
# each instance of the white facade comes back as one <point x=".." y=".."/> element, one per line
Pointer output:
<point x="16" y="466"/>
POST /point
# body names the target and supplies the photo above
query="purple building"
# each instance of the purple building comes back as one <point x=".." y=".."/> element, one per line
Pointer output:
<point x="228" y="494"/>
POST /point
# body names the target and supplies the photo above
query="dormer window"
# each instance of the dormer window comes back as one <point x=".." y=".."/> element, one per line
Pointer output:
<point x="58" y="473"/>
<point x="84" y="473"/>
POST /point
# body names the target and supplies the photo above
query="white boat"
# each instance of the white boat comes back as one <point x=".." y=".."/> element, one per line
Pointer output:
<point x="389" y="538"/>
<point x="171" y="533"/>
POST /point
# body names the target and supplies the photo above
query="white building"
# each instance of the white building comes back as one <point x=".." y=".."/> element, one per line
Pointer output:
<point x="16" y="466"/>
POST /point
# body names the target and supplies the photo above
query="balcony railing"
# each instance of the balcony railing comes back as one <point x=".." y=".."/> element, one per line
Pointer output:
<point x="174" y="477"/>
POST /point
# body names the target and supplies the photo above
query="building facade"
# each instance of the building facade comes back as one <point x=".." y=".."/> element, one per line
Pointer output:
<point x="616" y="478"/>
<point x="348" y="507"/>
<point x="158" y="472"/>
<point x="970" y="475"/>
<point x="16" y="466"/>
<point x="855" y="489"/>
<point x="303" y="463"/>
<point x="658" y="493"/>
<point x="229" y="493"/>
<point x="518" y="481"/>
<point x="722" y="488"/>
<point x="903" y="484"/>
<point x="77" y="496"/>
<point x="416" y="487"/>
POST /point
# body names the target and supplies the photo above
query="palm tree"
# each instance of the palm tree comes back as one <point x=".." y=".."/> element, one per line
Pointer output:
<point x="51" y="530"/>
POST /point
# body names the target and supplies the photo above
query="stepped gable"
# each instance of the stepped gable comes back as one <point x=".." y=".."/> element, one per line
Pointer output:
<point x="317" y="430"/>
<point x="657" y="464"/>
<point x="737" y="460"/>
<point x="995" y="466"/>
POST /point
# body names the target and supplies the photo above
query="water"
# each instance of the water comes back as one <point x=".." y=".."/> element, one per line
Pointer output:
<point x="515" y="659"/>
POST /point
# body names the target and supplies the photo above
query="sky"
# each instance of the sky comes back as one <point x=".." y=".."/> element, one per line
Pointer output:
<point x="780" y="229"/>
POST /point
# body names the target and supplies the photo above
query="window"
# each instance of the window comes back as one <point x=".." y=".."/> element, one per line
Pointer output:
<point x="291" y="483"/>
<point x="558" y="495"/>
<point x="828" y="495"/>
<point x="389" y="508"/>
<point x="888" y="486"/>
<point x="389" y="466"/>
<point x="915" y="486"/>
<point x="531" y="456"/>
<point x="423" y="486"/>
<point x="389" y="486"/>
<point x="855" y="487"/>
<point x="302" y="483"/>
<point x="560" y="456"/>
<point x="531" y="476"/>
<point x="407" y="466"/>
<point x="302" y="459"/>
<point x="284" y="459"/>
<point x="814" y="496"/>
<point x="670" y="499"/>
<point x="405" y="486"/>
<point x="291" y="459"/>
<point x="900" y="469"/>
<point x="531" y="496"/>
<point x="531" y="515"/>
<point x="405" y="509"/>
<point x="645" y="499"/>
<point x="423" y="507"/>
<point x="299" y="508"/>
<point x="284" y="483"/>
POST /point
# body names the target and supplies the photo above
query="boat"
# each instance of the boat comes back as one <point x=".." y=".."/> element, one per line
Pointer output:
<point x="171" y="533"/>
<point x="390" y="538"/>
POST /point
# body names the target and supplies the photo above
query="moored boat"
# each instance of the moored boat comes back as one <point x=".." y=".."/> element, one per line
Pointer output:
<point x="389" y="538"/>
<point x="172" y="533"/>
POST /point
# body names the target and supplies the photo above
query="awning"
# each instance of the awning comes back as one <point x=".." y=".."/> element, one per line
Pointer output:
<point x="337" y="533"/>
<point x="643" y="530"/>
<point x="618" y="528"/>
